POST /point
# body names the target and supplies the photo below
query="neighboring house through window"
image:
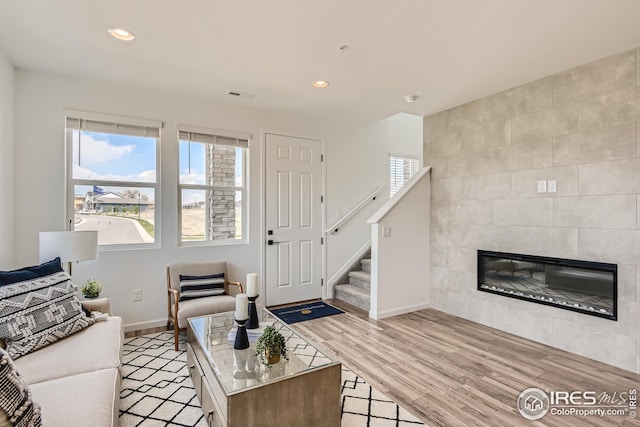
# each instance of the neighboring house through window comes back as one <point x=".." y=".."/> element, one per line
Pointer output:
<point x="113" y="184"/>
<point x="212" y="185"/>
<point x="401" y="169"/>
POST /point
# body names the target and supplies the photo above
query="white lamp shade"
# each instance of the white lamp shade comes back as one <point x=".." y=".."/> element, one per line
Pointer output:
<point x="68" y="245"/>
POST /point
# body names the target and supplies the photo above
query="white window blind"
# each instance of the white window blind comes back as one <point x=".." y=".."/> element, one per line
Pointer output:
<point x="401" y="169"/>
<point x="206" y="138"/>
<point x="112" y="124"/>
<point x="112" y="128"/>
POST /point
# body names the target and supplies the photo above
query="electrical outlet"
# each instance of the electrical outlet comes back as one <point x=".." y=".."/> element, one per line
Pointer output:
<point x="386" y="231"/>
<point x="552" y="186"/>
<point x="137" y="295"/>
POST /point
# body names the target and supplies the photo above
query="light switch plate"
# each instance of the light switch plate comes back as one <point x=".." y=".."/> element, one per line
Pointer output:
<point x="386" y="232"/>
<point x="542" y="186"/>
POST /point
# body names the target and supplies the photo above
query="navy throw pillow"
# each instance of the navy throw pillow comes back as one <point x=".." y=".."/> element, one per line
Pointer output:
<point x="29" y="273"/>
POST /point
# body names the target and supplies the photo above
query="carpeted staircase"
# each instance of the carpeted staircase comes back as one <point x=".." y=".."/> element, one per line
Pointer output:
<point x="356" y="287"/>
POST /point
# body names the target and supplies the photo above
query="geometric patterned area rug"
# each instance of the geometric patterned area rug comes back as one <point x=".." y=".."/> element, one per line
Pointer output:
<point x="156" y="390"/>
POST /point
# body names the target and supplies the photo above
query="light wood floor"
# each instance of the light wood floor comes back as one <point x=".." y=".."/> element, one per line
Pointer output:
<point x="453" y="372"/>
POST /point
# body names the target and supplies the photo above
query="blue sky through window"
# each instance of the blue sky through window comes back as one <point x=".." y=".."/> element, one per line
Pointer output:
<point x="192" y="163"/>
<point x="114" y="157"/>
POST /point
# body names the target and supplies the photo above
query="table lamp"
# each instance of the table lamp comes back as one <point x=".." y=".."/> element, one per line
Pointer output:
<point x="70" y="246"/>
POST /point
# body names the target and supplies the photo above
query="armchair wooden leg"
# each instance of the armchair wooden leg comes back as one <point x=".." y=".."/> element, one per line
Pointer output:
<point x="176" y="333"/>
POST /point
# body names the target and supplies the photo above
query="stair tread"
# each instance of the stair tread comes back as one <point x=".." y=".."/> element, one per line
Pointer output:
<point x="354" y="290"/>
<point x="362" y="275"/>
<point x="366" y="264"/>
<point x="354" y="295"/>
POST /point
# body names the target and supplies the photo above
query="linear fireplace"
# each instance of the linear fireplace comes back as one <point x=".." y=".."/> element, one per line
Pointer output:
<point x="582" y="286"/>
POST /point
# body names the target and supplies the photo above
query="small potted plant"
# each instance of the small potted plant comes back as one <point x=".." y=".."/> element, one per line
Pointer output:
<point x="270" y="346"/>
<point x="91" y="289"/>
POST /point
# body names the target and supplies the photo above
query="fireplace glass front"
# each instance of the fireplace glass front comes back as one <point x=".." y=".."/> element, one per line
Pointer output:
<point x="583" y="286"/>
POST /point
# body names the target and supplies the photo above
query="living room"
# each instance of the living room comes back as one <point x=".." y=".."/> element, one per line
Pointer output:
<point x="488" y="140"/>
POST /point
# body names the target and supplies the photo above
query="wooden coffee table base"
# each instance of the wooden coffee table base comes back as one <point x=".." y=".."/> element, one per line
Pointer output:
<point x="308" y="398"/>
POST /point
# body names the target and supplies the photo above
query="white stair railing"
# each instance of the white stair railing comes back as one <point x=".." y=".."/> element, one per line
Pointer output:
<point x="370" y="197"/>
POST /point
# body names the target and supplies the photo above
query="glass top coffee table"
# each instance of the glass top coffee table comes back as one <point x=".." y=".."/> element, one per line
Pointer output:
<point x="235" y="389"/>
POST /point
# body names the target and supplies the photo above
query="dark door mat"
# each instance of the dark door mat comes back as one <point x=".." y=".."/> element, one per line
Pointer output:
<point x="302" y="312"/>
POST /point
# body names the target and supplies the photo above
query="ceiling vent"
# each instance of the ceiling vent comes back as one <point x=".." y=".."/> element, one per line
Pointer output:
<point x="241" y="94"/>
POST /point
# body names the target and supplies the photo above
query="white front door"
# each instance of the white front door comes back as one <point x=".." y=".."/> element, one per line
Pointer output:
<point x="293" y="219"/>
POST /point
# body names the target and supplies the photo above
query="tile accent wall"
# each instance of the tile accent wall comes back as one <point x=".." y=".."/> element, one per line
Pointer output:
<point x="580" y="128"/>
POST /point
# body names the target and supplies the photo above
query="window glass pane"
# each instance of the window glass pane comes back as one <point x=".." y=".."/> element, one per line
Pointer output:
<point x="401" y="169"/>
<point x="111" y="157"/>
<point x="217" y="165"/>
<point x="211" y="215"/>
<point x="192" y="164"/>
<point x="121" y="215"/>
<point x="193" y="215"/>
<point x="238" y="219"/>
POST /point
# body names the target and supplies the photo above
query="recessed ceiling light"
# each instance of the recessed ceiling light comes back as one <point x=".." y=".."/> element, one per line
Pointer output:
<point x="320" y="84"/>
<point x="122" y="34"/>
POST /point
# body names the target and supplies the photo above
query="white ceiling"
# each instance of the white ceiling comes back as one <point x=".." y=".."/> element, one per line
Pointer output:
<point x="448" y="52"/>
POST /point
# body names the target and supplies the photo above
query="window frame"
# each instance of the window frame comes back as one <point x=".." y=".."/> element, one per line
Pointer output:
<point x="72" y="182"/>
<point x="244" y="189"/>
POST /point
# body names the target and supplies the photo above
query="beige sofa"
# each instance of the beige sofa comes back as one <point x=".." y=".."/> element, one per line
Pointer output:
<point x="76" y="380"/>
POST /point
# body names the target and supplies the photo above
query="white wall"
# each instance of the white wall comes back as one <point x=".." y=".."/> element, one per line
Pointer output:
<point x="400" y="262"/>
<point x="404" y="135"/>
<point x="358" y="162"/>
<point x="40" y="182"/>
<point x="7" y="77"/>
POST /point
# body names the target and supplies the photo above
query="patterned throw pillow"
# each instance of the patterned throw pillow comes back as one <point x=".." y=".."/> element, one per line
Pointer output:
<point x="15" y="400"/>
<point x="37" y="312"/>
<point x="201" y="286"/>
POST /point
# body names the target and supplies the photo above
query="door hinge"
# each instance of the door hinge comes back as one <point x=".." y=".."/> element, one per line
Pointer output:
<point x="321" y="199"/>
<point x="321" y="282"/>
<point x="322" y="157"/>
<point x="322" y="240"/>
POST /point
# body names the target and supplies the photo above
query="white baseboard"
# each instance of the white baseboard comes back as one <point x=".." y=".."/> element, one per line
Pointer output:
<point x="397" y="311"/>
<point x="140" y="326"/>
<point x="145" y="325"/>
<point x="347" y="266"/>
